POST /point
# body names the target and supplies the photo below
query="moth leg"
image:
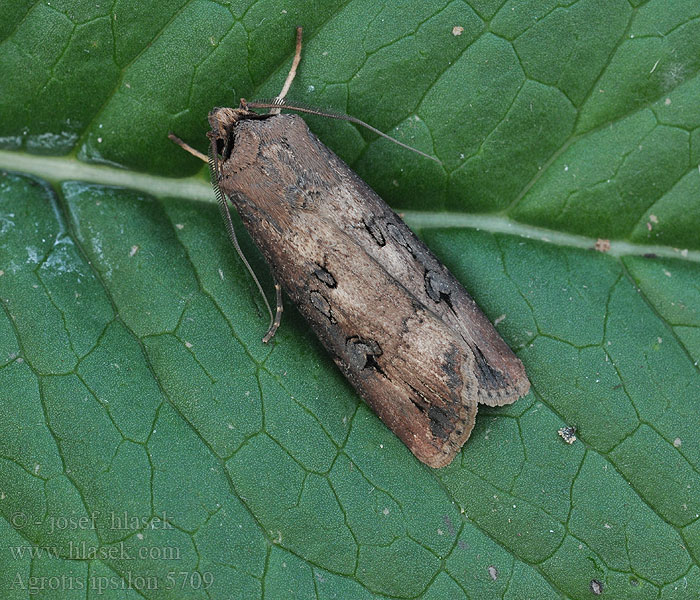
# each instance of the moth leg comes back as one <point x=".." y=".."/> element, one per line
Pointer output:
<point x="274" y="321"/>
<point x="213" y="161"/>
<point x="278" y="314"/>
<point x="185" y="146"/>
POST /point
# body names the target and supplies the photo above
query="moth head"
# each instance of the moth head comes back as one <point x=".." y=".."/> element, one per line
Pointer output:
<point x="223" y="120"/>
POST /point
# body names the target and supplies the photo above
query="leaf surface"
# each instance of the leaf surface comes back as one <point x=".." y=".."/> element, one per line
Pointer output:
<point x="152" y="447"/>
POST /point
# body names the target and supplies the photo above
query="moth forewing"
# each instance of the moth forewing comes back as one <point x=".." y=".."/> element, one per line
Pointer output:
<point x="397" y="323"/>
<point x="385" y="237"/>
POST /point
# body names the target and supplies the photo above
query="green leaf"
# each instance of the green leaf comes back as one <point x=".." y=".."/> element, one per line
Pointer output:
<point x="152" y="447"/>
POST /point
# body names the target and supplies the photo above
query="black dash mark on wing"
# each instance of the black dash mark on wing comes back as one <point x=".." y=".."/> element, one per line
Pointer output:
<point x="455" y="381"/>
<point x="420" y="404"/>
<point x="419" y="400"/>
<point x="488" y="377"/>
<point x="362" y="354"/>
<point x="443" y="418"/>
<point x="374" y="230"/>
<point x="396" y="233"/>
<point x="373" y="364"/>
<point x="438" y="287"/>
<point x="325" y="276"/>
<point x="321" y="304"/>
<point x="442" y="421"/>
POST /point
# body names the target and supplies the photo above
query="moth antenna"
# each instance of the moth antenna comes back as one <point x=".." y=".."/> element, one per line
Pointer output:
<point x="280" y="103"/>
<point x="226" y="214"/>
<point x="185" y="146"/>
<point x="290" y="76"/>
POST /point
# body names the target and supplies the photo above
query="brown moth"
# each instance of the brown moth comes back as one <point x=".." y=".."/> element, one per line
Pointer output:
<point x="397" y="323"/>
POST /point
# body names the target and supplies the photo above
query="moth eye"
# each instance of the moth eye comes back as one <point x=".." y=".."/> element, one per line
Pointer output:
<point x="325" y="276"/>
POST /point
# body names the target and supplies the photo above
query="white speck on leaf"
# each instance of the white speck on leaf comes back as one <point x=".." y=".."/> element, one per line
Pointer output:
<point x="568" y="434"/>
<point x="32" y="255"/>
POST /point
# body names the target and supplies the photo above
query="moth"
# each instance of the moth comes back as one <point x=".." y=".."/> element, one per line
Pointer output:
<point x="397" y="323"/>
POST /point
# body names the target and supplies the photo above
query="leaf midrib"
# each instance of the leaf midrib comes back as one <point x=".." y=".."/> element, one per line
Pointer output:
<point x="63" y="168"/>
